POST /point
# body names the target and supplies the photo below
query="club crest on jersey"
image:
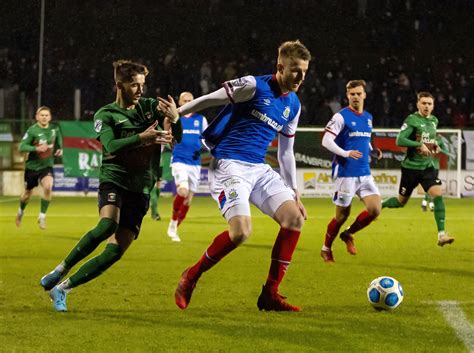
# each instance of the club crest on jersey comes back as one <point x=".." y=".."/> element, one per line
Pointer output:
<point x="196" y="123"/>
<point x="353" y="123"/>
<point x="98" y="125"/>
<point x="111" y="197"/>
<point x="286" y="112"/>
<point x="148" y="115"/>
<point x="369" y="122"/>
<point x="233" y="194"/>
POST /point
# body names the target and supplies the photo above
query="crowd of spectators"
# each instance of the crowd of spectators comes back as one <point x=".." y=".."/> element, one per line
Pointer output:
<point x="398" y="47"/>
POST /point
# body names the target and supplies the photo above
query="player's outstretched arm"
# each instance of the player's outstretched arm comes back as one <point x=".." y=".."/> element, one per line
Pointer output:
<point x="212" y="99"/>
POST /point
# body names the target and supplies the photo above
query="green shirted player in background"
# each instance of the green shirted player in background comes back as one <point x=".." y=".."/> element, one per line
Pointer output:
<point x="418" y="134"/>
<point x="131" y="158"/>
<point x="43" y="142"/>
<point x="427" y="201"/>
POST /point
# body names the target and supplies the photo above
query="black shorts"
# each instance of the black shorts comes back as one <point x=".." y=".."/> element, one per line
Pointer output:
<point x="133" y="205"/>
<point x="33" y="177"/>
<point x="412" y="177"/>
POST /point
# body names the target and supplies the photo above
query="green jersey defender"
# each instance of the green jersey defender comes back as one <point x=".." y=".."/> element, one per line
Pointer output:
<point x="126" y="162"/>
<point x="418" y="135"/>
<point x="37" y="135"/>
<point x="130" y="166"/>
<point x="416" y="131"/>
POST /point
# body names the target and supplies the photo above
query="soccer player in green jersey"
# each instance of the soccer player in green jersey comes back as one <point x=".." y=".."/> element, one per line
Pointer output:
<point x="418" y="134"/>
<point x="43" y="142"/>
<point x="427" y="201"/>
<point x="131" y="146"/>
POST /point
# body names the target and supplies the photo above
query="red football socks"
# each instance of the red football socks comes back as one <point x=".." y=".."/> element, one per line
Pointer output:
<point x="362" y="220"/>
<point x="177" y="203"/>
<point x="182" y="213"/>
<point x="331" y="232"/>
<point x="282" y="252"/>
<point x="220" y="247"/>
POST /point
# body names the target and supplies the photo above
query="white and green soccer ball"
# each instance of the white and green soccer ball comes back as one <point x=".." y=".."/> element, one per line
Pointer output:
<point x="385" y="293"/>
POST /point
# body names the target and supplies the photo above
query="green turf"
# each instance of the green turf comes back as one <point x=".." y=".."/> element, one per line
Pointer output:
<point x="131" y="307"/>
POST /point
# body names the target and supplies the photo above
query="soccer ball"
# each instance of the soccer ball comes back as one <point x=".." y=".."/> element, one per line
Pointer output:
<point x="385" y="293"/>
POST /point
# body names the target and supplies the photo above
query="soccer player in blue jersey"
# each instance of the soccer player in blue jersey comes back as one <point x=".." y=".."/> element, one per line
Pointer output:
<point x="186" y="165"/>
<point x="348" y="136"/>
<point x="256" y="109"/>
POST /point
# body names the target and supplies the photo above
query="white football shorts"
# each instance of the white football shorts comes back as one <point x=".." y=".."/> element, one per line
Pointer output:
<point x="186" y="174"/>
<point x="347" y="187"/>
<point x="234" y="184"/>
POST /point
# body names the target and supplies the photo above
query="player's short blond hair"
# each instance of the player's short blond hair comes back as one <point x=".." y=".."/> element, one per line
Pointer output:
<point x="124" y="70"/>
<point x="293" y="49"/>
<point x="424" y="94"/>
<point x="43" y="107"/>
<point x="355" y="83"/>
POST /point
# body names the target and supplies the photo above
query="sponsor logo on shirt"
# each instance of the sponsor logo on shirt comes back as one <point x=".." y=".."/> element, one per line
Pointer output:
<point x="359" y="134"/>
<point x="266" y="119"/>
<point x="191" y="131"/>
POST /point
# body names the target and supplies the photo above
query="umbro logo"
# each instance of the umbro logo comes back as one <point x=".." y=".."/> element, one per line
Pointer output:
<point x="267" y="101"/>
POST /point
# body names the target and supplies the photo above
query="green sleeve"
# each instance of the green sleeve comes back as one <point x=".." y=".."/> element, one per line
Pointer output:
<point x="177" y="131"/>
<point x="26" y="143"/>
<point x="113" y="145"/>
<point x="403" y="137"/>
<point x="106" y="136"/>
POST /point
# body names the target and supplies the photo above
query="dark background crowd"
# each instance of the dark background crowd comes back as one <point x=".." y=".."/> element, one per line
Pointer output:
<point x="398" y="47"/>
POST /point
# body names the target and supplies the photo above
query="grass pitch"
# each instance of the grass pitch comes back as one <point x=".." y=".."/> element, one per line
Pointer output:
<point x="130" y="308"/>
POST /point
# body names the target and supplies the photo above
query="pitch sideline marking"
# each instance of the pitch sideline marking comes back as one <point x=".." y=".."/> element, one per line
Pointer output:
<point x="458" y="321"/>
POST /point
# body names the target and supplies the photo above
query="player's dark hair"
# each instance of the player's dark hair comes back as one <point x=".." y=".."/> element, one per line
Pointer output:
<point x="355" y="83"/>
<point x="294" y="49"/>
<point x="124" y="70"/>
<point x="43" y="107"/>
<point x="424" y="94"/>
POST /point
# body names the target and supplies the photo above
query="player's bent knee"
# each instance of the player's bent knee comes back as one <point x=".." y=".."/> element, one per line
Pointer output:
<point x="294" y="222"/>
<point x="104" y="229"/>
<point x="374" y="212"/>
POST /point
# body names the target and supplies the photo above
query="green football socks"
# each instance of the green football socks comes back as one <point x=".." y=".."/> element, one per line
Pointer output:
<point x="96" y="266"/>
<point x="154" y="197"/>
<point x="439" y="212"/>
<point x="391" y="203"/>
<point x="104" y="229"/>
<point x="44" y="205"/>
